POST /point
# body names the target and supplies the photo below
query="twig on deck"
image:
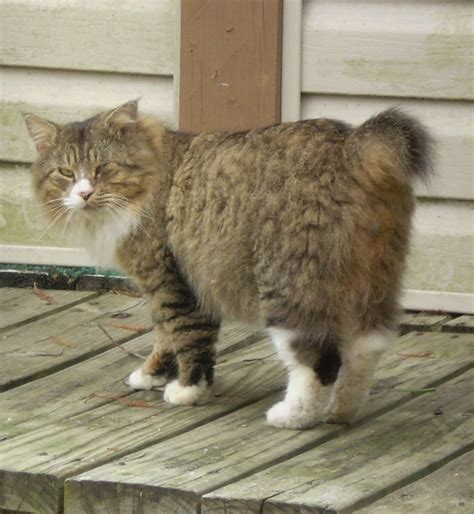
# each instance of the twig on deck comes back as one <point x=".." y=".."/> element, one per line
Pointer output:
<point x="123" y="400"/>
<point x="133" y="354"/>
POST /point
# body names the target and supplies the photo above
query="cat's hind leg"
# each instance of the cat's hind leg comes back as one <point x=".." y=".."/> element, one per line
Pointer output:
<point x="359" y="359"/>
<point x="306" y="392"/>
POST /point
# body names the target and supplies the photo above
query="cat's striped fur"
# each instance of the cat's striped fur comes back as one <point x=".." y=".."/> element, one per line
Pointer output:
<point x="300" y="227"/>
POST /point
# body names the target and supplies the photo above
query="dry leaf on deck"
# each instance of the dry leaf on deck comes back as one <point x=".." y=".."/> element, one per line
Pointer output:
<point x="61" y="342"/>
<point x="129" y="326"/>
<point x="42" y="295"/>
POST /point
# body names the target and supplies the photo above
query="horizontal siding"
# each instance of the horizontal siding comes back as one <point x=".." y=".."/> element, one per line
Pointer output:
<point x="414" y="49"/>
<point x="441" y="257"/>
<point x="451" y="123"/>
<point x="442" y="251"/>
<point x="127" y="36"/>
<point x="65" y="96"/>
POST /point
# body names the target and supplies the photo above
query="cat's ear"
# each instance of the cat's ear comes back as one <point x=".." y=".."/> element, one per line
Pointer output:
<point x="43" y="132"/>
<point x="123" y="115"/>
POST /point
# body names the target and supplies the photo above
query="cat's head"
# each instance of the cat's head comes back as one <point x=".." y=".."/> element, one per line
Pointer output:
<point x="93" y="169"/>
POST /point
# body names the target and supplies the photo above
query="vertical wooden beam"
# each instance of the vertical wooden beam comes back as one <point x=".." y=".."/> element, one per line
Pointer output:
<point x="230" y="64"/>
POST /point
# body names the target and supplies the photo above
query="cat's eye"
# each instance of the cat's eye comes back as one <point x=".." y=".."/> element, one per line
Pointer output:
<point x="66" y="173"/>
<point x="100" y="169"/>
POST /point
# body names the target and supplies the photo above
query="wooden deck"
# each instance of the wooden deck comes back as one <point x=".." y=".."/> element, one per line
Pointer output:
<point x="73" y="439"/>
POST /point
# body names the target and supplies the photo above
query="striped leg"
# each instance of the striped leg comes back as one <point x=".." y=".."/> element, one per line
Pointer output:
<point x="184" y="347"/>
<point x="160" y="366"/>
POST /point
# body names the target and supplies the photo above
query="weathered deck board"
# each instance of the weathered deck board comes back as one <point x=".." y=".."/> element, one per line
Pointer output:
<point x="52" y="343"/>
<point x="363" y="464"/>
<point x="91" y="383"/>
<point x="75" y="443"/>
<point x="422" y="321"/>
<point x="19" y="306"/>
<point x="184" y="468"/>
<point x="445" y="491"/>
<point x="460" y="324"/>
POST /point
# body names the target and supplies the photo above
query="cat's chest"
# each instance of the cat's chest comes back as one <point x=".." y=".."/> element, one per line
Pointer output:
<point x="102" y="242"/>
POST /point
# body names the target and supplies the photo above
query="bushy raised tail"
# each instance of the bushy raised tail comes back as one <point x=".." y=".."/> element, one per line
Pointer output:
<point x="394" y="146"/>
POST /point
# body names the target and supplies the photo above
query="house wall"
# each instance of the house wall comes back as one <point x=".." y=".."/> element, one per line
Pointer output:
<point x="360" y="57"/>
<point x="68" y="60"/>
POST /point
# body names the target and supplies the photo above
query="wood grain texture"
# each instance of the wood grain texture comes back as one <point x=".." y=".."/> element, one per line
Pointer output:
<point x="460" y="324"/>
<point x="47" y="345"/>
<point x="366" y="48"/>
<point x="19" y="306"/>
<point x="230" y="77"/>
<point x="422" y="321"/>
<point x="240" y="443"/>
<point x="131" y="36"/>
<point x="365" y="463"/>
<point x="449" y="489"/>
<point x="93" y="382"/>
<point x="75" y="443"/>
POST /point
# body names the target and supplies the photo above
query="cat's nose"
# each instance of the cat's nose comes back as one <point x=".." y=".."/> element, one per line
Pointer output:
<point x="85" y="194"/>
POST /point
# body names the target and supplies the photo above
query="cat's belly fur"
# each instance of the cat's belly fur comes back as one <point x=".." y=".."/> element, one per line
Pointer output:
<point x="221" y="277"/>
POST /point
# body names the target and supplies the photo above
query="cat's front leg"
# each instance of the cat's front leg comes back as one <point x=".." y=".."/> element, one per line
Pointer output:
<point x="184" y="354"/>
<point x="160" y="367"/>
<point x="194" y="337"/>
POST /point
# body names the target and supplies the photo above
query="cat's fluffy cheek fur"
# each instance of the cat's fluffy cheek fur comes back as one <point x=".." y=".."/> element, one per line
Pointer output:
<point x="141" y="381"/>
<point x="178" y="394"/>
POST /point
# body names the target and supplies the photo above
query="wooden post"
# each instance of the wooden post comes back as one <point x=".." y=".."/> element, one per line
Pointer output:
<point x="230" y="64"/>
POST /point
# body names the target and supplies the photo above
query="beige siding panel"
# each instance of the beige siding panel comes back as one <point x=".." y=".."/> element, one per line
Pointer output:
<point x="451" y="122"/>
<point x="442" y="254"/>
<point x="65" y="96"/>
<point x="127" y="36"/>
<point x="417" y="49"/>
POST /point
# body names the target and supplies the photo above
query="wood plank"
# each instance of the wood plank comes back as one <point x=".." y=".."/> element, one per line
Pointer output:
<point x="47" y="345"/>
<point x="19" y="306"/>
<point x="184" y="468"/>
<point x="372" y="48"/>
<point x="422" y="321"/>
<point x="451" y="124"/>
<point x="364" y="463"/>
<point x="230" y="64"/>
<point x="459" y="324"/>
<point x="65" y="96"/>
<point x="92" y="382"/>
<point x="110" y="430"/>
<point x="131" y="36"/>
<point x="447" y="490"/>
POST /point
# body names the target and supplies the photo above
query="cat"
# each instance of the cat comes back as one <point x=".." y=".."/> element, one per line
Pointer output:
<point x="302" y="228"/>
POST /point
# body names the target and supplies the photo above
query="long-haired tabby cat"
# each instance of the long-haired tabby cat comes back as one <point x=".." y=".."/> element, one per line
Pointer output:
<point x="300" y="227"/>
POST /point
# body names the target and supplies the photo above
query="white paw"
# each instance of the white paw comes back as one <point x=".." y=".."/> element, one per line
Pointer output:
<point x="140" y="380"/>
<point x="292" y="415"/>
<point x="177" y="394"/>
